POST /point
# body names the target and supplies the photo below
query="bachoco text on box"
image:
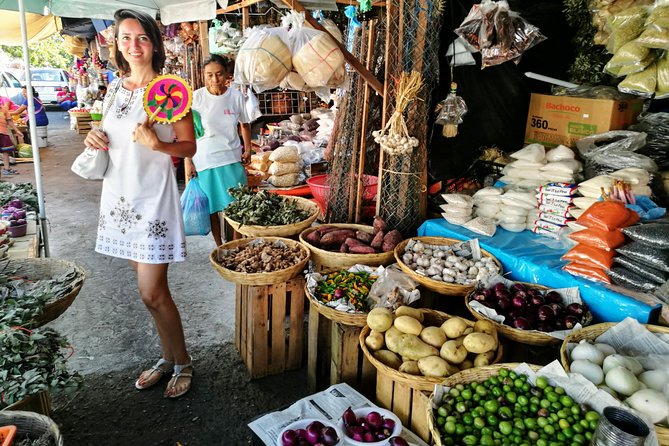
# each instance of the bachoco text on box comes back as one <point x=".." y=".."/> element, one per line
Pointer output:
<point x="554" y="120"/>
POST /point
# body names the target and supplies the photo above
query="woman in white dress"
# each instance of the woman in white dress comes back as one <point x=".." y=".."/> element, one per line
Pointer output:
<point x="140" y="216"/>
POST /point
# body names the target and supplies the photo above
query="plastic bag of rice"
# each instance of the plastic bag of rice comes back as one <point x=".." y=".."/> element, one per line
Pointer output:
<point x="285" y="154"/>
<point x="278" y="168"/>
<point x="264" y="59"/>
<point x="287" y="180"/>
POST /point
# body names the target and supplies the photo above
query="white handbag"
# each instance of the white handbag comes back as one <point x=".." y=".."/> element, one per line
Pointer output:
<point x="91" y="164"/>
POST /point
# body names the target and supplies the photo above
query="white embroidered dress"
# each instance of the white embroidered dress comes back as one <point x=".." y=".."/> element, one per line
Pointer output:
<point x="140" y="215"/>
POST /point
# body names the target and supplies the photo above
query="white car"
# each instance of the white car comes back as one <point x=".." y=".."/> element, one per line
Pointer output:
<point x="48" y="82"/>
<point x="10" y="87"/>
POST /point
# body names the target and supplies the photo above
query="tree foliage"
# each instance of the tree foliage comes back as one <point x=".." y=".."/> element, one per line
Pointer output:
<point x="50" y="52"/>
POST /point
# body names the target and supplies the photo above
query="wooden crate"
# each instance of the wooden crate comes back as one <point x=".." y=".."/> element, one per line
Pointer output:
<point x="269" y="325"/>
<point x="334" y="355"/>
<point x="39" y="403"/>
<point x="409" y="404"/>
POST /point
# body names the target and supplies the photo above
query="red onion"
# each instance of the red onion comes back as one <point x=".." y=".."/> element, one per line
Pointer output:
<point x="570" y="322"/>
<point x="544" y="326"/>
<point x="349" y="417"/>
<point x="329" y="436"/>
<point x="374" y="420"/>
<point x="519" y="302"/>
<point x="575" y="309"/>
<point x="289" y="438"/>
<point x="389" y="423"/>
<point x="499" y="287"/>
<point x="545" y="313"/>
<point x="517" y="287"/>
<point x="398" y="441"/>
<point x="521" y="323"/>
<point x="536" y="300"/>
<point x="504" y="304"/>
<point x="502" y="293"/>
<point x="553" y="297"/>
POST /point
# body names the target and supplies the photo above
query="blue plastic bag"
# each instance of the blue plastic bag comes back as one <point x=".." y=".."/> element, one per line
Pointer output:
<point x="195" y="207"/>
<point x="646" y="208"/>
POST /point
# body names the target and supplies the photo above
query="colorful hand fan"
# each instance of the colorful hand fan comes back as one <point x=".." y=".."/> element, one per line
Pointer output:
<point x="167" y="98"/>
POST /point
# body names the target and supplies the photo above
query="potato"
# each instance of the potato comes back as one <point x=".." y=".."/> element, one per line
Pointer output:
<point x="484" y="359"/>
<point x="388" y="358"/>
<point x="380" y="319"/>
<point x="454" y="327"/>
<point x="411" y="347"/>
<point x="453" y="352"/>
<point x="410" y="367"/>
<point x="409" y="311"/>
<point x="392" y="337"/>
<point x="408" y="325"/>
<point x="479" y="343"/>
<point x="374" y="341"/>
<point x="434" y="336"/>
<point x="466" y="364"/>
<point x="487" y="327"/>
<point x="436" y="366"/>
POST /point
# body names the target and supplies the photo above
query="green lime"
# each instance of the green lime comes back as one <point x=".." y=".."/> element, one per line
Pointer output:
<point x="564" y="424"/>
<point x="505" y="427"/>
<point x="459" y="430"/>
<point x="491" y="406"/>
<point x="479" y="423"/>
<point x="541" y="382"/>
<point x="467" y="394"/>
<point x="442" y="411"/>
<point x="486" y="440"/>
<point x="511" y="397"/>
<point x="469" y="440"/>
<point x="449" y="427"/>
<point x="578" y="439"/>
<point x="530" y="423"/>
<point x="549" y="429"/>
<point x="591" y="415"/>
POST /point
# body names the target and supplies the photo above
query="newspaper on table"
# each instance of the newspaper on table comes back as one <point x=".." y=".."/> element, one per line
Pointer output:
<point x="569" y="296"/>
<point x="397" y="288"/>
<point x="575" y="385"/>
<point x="630" y="338"/>
<point x="326" y="405"/>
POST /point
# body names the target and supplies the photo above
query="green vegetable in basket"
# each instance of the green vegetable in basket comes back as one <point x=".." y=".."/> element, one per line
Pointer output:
<point x="263" y="208"/>
<point x="507" y="409"/>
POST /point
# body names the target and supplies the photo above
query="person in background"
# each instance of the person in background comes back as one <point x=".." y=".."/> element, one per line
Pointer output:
<point x="102" y="91"/>
<point x="6" y="102"/>
<point x="6" y="143"/>
<point x="41" y="119"/>
<point x="66" y="99"/>
<point x="219" y="156"/>
<point x="140" y="214"/>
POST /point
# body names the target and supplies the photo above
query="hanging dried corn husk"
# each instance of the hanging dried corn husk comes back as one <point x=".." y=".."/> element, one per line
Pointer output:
<point x="394" y="138"/>
<point x="451" y="110"/>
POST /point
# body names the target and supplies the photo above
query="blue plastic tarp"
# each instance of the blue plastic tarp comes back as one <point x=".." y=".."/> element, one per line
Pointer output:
<point x="525" y="258"/>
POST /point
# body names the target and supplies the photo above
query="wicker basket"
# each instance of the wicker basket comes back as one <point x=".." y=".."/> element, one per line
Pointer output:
<point x="353" y="319"/>
<point x="449" y="289"/>
<point x="340" y="260"/>
<point x="282" y="230"/>
<point x="422" y="383"/>
<point x="38" y="269"/>
<point x="465" y="377"/>
<point x="528" y="337"/>
<point x="593" y="332"/>
<point x="79" y="114"/>
<point x="37" y="402"/>
<point x="30" y="423"/>
<point x="258" y="278"/>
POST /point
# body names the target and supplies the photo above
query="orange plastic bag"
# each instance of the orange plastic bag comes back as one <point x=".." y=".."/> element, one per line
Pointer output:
<point x="632" y="219"/>
<point x="597" y="238"/>
<point x="606" y="215"/>
<point x="587" y="255"/>
<point x="588" y="272"/>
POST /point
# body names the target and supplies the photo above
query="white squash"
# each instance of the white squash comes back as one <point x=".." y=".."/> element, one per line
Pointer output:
<point x="650" y="403"/>
<point x="622" y="381"/>
<point x="586" y="351"/>
<point x="655" y="379"/>
<point x="590" y="370"/>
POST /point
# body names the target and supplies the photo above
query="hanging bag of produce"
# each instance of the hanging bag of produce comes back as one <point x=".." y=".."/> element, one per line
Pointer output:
<point x="223" y="38"/>
<point x="195" y="207"/>
<point x="264" y="59"/>
<point x="316" y="56"/>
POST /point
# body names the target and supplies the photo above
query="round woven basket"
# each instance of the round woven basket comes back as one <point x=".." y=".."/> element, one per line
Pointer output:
<point x="465" y="377"/>
<point x="79" y="114"/>
<point x="353" y="319"/>
<point x="258" y="278"/>
<point x="528" y="337"/>
<point x="422" y="383"/>
<point x="593" y="332"/>
<point x="449" y="289"/>
<point x="281" y="230"/>
<point x="30" y="423"/>
<point x="46" y="268"/>
<point x="341" y="260"/>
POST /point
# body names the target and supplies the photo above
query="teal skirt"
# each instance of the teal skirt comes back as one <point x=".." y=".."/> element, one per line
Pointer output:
<point x="217" y="181"/>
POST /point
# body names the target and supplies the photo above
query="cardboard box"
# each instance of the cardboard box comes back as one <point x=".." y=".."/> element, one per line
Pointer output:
<point x="553" y="120"/>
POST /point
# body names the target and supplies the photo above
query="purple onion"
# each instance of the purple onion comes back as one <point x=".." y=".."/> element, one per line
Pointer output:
<point x="488" y="293"/>
<point x="316" y="425"/>
<point x="356" y="432"/>
<point x="479" y="296"/>
<point x="348" y="417"/>
<point x="559" y="324"/>
<point x="502" y="293"/>
<point x="545" y="313"/>
<point x="522" y="294"/>
<point x="575" y="309"/>
<point x="301" y="433"/>
<point x="570" y="322"/>
<point x="499" y="287"/>
<point x="398" y="441"/>
<point x="519" y="302"/>
<point x="516" y="287"/>
<point x="521" y="323"/>
<point x="544" y="326"/>
<point x="289" y="438"/>
<point x="339" y="293"/>
<point x="313" y="432"/>
<point x="504" y="304"/>
<point x="389" y="423"/>
<point x="553" y="297"/>
<point x="557" y="308"/>
<point x="368" y="437"/>
<point x="374" y="420"/>
<point x="537" y="300"/>
<point x="515" y="313"/>
<point x="329" y="436"/>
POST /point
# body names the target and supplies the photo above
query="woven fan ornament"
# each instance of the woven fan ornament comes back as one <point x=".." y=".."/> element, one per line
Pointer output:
<point x="167" y="99"/>
<point x="451" y="110"/>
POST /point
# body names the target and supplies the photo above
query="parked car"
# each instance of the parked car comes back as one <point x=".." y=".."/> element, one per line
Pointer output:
<point x="48" y="82"/>
<point x="10" y="87"/>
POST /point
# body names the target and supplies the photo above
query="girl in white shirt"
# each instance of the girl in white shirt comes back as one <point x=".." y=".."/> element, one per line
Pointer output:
<point x="219" y="156"/>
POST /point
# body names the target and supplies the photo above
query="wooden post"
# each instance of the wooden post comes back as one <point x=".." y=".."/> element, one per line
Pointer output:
<point x="246" y="21"/>
<point x="358" y="137"/>
<point x="204" y="39"/>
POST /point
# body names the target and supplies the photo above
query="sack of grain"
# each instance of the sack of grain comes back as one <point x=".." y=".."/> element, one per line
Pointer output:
<point x="284" y="168"/>
<point x="284" y="180"/>
<point x="264" y="59"/>
<point x="316" y="56"/>
<point x="262" y="157"/>
<point x="285" y="154"/>
<point x="259" y="165"/>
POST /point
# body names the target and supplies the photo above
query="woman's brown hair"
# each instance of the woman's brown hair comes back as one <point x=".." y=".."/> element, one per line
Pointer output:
<point x="152" y="31"/>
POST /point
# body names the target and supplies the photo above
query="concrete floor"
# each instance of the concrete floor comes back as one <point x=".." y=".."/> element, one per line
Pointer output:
<point x="107" y="323"/>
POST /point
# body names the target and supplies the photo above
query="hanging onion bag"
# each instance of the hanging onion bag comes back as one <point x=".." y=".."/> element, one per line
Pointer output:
<point x="264" y="59"/>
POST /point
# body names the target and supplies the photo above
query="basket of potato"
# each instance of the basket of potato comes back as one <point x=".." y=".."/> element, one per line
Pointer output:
<point x="420" y="347"/>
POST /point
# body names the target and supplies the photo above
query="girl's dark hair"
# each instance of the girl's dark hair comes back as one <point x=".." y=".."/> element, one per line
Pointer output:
<point x="215" y="58"/>
<point x="35" y="93"/>
<point x="152" y="31"/>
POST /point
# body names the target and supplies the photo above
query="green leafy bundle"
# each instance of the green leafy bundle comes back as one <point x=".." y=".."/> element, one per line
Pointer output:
<point x="263" y="208"/>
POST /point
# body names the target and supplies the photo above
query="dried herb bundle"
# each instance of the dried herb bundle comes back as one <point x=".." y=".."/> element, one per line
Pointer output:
<point x="263" y="208"/>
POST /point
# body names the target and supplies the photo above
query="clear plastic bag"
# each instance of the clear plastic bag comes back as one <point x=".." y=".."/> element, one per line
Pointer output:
<point x="224" y="38"/>
<point x="392" y="289"/>
<point x="653" y="257"/>
<point x="625" y="27"/>
<point x="195" y="208"/>
<point x="602" y="157"/>
<point x="264" y="59"/>
<point x="642" y="83"/>
<point x="630" y="58"/>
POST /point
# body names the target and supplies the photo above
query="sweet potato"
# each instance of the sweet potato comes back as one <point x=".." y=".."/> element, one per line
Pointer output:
<point x="337" y="237"/>
<point x="357" y="247"/>
<point x="343" y="248"/>
<point x="379" y="225"/>
<point x="325" y="229"/>
<point x="390" y="240"/>
<point x="365" y="237"/>
<point x="313" y="238"/>
<point x="377" y="242"/>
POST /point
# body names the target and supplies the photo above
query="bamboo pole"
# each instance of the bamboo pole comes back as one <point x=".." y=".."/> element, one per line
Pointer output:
<point x="358" y="134"/>
<point x="365" y="119"/>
